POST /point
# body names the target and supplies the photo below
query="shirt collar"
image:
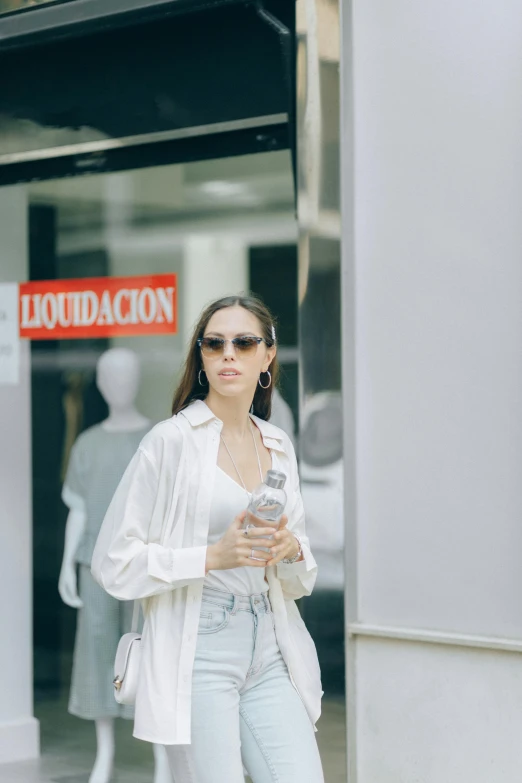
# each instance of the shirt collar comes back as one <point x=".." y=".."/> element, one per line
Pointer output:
<point x="199" y="413"/>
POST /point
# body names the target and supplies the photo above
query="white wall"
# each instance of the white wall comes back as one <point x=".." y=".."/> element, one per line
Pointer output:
<point x="437" y="192"/>
<point x="214" y="266"/>
<point x="19" y="734"/>
<point x="426" y="714"/>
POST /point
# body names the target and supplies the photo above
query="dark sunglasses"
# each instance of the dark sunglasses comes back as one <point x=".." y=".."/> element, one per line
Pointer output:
<point x="243" y="346"/>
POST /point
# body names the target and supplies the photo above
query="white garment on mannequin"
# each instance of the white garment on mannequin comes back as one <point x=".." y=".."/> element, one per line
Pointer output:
<point x="117" y="378"/>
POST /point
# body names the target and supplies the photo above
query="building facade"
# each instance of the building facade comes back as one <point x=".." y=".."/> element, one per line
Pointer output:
<point x="361" y="161"/>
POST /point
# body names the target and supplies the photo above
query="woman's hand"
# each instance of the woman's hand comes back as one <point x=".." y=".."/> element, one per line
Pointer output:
<point x="285" y="545"/>
<point x="234" y="549"/>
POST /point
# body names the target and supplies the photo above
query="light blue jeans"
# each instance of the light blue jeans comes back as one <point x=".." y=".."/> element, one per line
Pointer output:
<point x="245" y="710"/>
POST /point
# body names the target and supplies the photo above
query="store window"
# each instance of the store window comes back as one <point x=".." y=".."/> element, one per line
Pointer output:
<point x="216" y="227"/>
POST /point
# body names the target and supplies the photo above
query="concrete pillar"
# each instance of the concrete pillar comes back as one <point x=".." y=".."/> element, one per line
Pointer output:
<point x="432" y="125"/>
<point x="19" y="730"/>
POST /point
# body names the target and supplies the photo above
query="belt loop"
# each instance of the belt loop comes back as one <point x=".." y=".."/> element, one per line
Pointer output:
<point x="234" y="604"/>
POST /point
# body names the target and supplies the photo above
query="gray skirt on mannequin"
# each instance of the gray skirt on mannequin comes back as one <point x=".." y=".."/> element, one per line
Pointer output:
<point x="101" y="622"/>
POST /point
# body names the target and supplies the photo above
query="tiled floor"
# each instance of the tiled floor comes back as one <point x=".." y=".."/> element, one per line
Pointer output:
<point x="68" y="749"/>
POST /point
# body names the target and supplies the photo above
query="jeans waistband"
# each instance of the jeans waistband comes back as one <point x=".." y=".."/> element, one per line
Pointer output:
<point x="259" y="602"/>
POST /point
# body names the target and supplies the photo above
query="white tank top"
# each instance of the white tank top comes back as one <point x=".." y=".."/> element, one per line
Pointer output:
<point x="228" y="500"/>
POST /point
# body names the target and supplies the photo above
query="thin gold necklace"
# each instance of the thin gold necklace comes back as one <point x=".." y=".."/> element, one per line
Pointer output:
<point x="234" y="462"/>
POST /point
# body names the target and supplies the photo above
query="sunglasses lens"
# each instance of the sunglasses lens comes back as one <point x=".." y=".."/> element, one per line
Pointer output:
<point x="212" y="346"/>
<point x="246" y="346"/>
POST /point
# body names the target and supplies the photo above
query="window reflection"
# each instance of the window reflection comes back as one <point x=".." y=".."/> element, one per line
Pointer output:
<point x="14" y="5"/>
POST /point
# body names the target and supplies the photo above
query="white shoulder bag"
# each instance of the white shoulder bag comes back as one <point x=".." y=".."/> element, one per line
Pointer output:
<point x="127" y="662"/>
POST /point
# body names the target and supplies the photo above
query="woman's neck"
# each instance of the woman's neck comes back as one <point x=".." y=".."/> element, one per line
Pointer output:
<point x="233" y="412"/>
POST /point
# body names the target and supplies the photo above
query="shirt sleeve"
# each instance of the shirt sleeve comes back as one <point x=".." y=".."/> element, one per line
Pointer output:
<point x="125" y="563"/>
<point x="73" y="490"/>
<point x="297" y="579"/>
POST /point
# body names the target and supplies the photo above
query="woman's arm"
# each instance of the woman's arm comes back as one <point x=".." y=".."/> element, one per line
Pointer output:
<point x="124" y="563"/>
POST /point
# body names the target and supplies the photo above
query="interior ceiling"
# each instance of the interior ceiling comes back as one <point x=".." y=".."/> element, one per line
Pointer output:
<point x="252" y="183"/>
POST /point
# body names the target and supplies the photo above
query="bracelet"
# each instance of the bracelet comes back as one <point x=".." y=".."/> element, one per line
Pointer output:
<point x="290" y="560"/>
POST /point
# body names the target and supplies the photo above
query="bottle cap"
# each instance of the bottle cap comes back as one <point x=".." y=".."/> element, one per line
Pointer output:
<point x="275" y="479"/>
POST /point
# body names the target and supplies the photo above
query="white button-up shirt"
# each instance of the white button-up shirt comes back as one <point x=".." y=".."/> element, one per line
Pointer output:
<point x="152" y="546"/>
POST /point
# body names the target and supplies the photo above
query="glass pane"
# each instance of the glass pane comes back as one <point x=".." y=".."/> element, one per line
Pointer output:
<point x="222" y="226"/>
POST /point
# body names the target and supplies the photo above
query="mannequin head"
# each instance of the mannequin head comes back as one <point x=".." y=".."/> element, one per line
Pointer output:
<point x="118" y="377"/>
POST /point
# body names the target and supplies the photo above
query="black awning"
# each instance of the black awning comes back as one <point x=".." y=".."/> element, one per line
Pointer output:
<point x="163" y="78"/>
<point x="25" y="25"/>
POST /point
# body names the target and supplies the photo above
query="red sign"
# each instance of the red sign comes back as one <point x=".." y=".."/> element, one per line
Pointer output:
<point x="98" y="307"/>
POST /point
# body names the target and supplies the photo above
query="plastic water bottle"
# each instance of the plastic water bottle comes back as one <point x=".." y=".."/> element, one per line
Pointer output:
<point x="268" y="501"/>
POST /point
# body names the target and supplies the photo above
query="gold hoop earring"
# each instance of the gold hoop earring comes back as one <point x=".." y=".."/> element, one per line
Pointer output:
<point x="269" y="380"/>
<point x="199" y="377"/>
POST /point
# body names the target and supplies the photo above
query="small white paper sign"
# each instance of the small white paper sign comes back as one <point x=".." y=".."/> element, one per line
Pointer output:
<point x="9" y="335"/>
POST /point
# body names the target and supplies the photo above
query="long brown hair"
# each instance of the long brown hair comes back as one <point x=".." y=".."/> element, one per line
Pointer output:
<point x="190" y="389"/>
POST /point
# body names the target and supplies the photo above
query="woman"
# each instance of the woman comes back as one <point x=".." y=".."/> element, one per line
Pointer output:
<point x="228" y="674"/>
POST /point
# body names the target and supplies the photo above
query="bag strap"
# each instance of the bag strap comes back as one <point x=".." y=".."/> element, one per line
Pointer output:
<point x="135" y="616"/>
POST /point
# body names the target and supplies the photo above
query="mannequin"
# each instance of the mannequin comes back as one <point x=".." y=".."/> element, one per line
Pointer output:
<point x="98" y="460"/>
